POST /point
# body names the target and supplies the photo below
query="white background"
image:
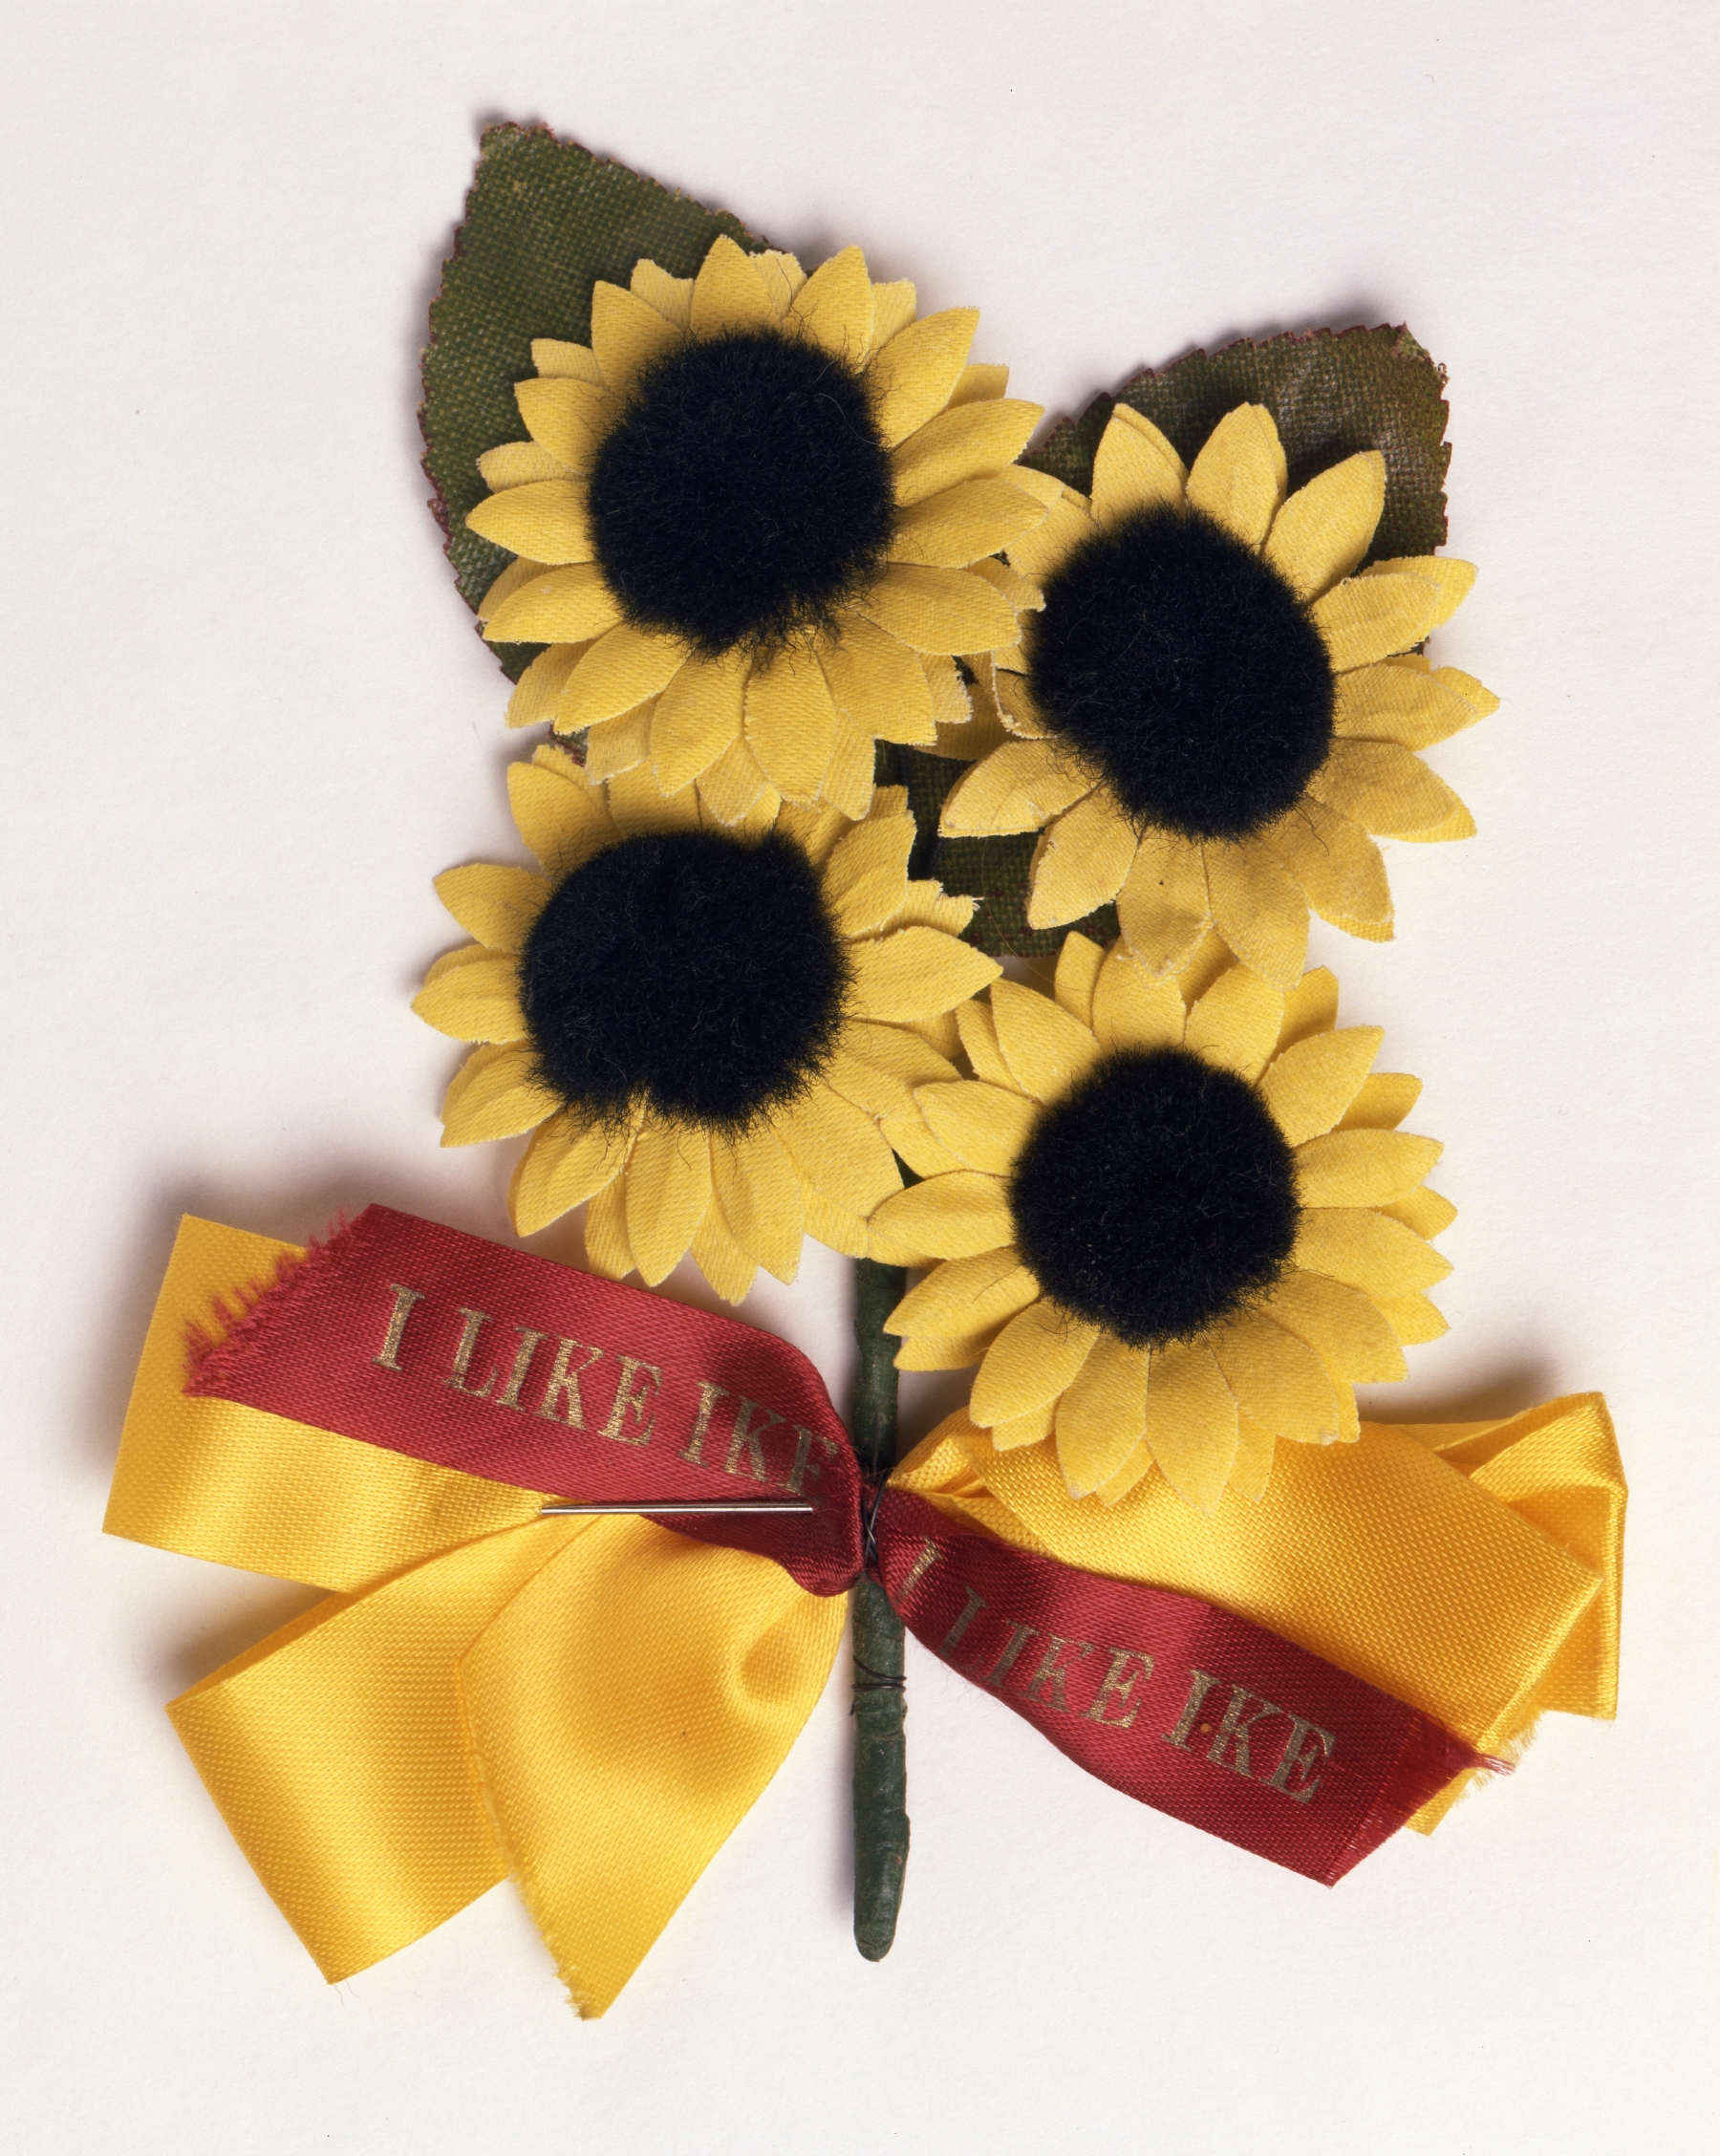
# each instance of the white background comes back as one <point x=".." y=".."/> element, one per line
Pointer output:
<point x="246" y="719"/>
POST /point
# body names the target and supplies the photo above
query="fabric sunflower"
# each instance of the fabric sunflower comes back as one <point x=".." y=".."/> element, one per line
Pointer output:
<point x="1217" y="707"/>
<point x="1186" y="1223"/>
<point x="714" y="1033"/>
<point x="753" y="522"/>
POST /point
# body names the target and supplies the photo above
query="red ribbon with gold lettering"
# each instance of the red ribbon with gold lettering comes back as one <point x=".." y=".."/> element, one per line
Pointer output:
<point x="428" y="1342"/>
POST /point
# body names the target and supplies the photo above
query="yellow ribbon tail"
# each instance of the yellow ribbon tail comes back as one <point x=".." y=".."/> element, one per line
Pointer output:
<point x="1469" y="1569"/>
<point x="389" y="1756"/>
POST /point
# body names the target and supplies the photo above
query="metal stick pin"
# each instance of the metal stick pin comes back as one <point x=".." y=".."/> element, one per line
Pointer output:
<point x="674" y="1508"/>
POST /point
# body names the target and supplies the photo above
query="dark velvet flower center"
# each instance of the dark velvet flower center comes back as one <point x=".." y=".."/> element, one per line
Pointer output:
<point x="744" y="493"/>
<point x="695" y="973"/>
<point x="1158" y="1199"/>
<point x="1185" y="671"/>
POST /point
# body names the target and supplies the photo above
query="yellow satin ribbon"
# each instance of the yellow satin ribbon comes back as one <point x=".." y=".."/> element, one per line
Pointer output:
<point x="593" y="1705"/>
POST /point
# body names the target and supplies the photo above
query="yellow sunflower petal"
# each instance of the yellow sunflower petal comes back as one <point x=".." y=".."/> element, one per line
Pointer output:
<point x="495" y="1093"/>
<point x="517" y="463"/>
<point x="916" y="973"/>
<point x="620" y="744"/>
<point x="1162" y="907"/>
<point x="879" y="1092"/>
<point x="1138" y="1464"/>
<point x="1030" y="1428"/>
<point x="1369" y="617"/>
<point x="1311" y="1083"/>
<point x="620" y="671"/>
<point x="968" y="442"/>
<point x="668" y="1195"/>
<point x="1340" y="1325"/>
<point x="728" y="293"/>
<point x="1413" y="1319"/>
<point x="1191" y="1423"/>
<point x="848" y="779"/>
<point x="915" y="375"/>
<point x="451" y="961"/>
<point x="781" y="275"/>
<point x="1235" y="1023"/>
<point x="878" y="683"/>
<point x="1046" y="1049"/>
<point x="1454" y="579"/>
<point x="836" y="1228"/>
<point x="1385" y="789"/>
<point x="566" y="1163"/>
<point x="1279" y="1382"/>
<point x="1078" y="964"/>
<point x="637" y="804"/>
<point x="1385" y="1099"/>
<point x="834" y="307"/>
<point x="608" y="1252"/>
<point x="1363" y="1167"/>
<point x="965" y="1295"/>
<point x="1366" y="1250"/>
<point x="904" y="1056"/>
<point x="1320" y="534"/>
<point x="479" y="1001"/>
<point x="1210" y="956"/>
<point x="577" y="362"/>
<point x="544" y="521"/>
<point x="1135" y="468"/>
<point x="537" y="692"/>
<point x="1033" y="1359"/>
<point x="1018" y="788"/>
<point x="866" y="879"/>
<point x="910" y="1140"/>
<point x="1101" y="1415"/>
<point x="568" y="417"/>
<point x="627" y="334"/>
<point x="837" y="1149"/>
<point x="1396" y="703"/>
<point x="1130" y="1012"/>
<point x="698" y="715"/>
<point x="514" y="578"/>
<point x="1338" y="866"/>
<point x="1310" y="1007"/>
<point x="1239" y="476"/>
<point x="671" y="296"/>
<point x="1068" y="525"/>
<point x="963" y="523"/>
<point x="982" y="1125"/>
<point x="498" y="906"/>
<point x="720" y="1259"/>
<point x="957" y="1216"/>
<point x="557" y="814"/>
<point x="1423" y="1210"/>
<point x="978" y="1035"/>
<point x="734" y="785"/>
<point x="1252" y="1470"/>
<point x="925" y="1353"/>
<point x="893" y="306"/>
<point x="1080" y="862"/>
<point x="759" y="1194"/>
<point x="1259" y="909"/>
<point x="791" y="723"/>
<point x="567" y="606"/>
<point x="938" y="610"/>
<point x="980" y="383"/>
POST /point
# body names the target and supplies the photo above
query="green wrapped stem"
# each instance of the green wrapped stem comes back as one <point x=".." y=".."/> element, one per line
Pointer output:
<point x="880" y="1703"/>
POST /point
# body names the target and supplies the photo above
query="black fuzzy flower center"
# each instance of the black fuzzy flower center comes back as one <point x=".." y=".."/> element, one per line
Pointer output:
<point x="695" y="973"/>
<point x="1185" y="670"/>
<point x="1158" y="1199"/>
<point x="744" y="493"/>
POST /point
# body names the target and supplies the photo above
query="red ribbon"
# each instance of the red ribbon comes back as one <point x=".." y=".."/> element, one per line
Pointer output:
<point x="426" y="1341"/>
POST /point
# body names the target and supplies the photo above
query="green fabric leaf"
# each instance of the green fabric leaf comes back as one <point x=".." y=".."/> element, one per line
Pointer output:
<point x="544" y="221"/>
<point x="1331" y="391"/>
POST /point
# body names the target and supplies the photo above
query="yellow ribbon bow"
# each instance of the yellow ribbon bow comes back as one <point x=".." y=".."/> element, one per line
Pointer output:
<point x="593" y="1705"/>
